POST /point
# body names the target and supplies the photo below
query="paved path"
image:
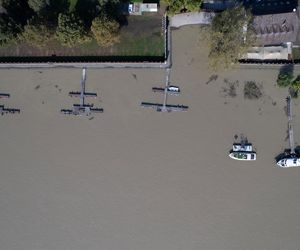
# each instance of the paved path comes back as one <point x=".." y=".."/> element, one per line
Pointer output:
<point x="191" y="18"/>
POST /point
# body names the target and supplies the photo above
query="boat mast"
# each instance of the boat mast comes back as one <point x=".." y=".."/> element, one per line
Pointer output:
<point x="290" y="127"/>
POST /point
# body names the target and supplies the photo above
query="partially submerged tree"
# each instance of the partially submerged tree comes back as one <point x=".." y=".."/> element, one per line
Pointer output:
<point x="296" y="84"/>
<point x="285" y="79"/>
<point x="230" y="35"/>
<point x="105" y="31"/>
<point x="252" y="90"/>
<point x="288" y="80"/>
<point x="70" y="30"/>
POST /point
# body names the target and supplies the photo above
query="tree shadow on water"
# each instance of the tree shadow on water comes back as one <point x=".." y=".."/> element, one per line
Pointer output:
<point x="286" y="69"/>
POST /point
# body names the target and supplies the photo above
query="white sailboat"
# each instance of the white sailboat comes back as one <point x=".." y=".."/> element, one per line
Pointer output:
<point x="291" y="159"/>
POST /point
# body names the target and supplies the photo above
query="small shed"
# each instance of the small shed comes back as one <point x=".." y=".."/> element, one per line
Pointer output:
<point x="149" y="7"/>
<point x="139" y="8"/>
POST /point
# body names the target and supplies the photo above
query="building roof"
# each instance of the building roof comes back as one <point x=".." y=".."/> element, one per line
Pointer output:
<point x="276" y="28"/>
<point x="269" y="53"/>
<point x="138" y="8"/>
<point x="257" y="7"/>
<point x="263" y="7"/>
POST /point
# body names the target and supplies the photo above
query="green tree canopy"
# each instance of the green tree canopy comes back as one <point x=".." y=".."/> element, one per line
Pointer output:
<point x="192" y="5"/>
<point x="105" y="2"/>
<point x="285" y="79"/>
<point x="230" y="35"/>
<point x="178" y="6"/>
<point x="38" y="5"/>
<point x="70" y="30"/>
<point x="8" y="29"/>
<point x="105" y="30"/>
<point x="36" y="33"/>
<point x="296" y="84"/>
<point x="18" y="10"/>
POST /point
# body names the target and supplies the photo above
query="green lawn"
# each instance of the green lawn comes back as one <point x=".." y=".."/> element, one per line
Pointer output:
<point x="141" y="36"/>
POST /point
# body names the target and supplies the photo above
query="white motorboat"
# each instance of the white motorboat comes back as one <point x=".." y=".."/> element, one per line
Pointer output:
<point x="245" y="147"/>
<point x="172" y="90"/>
<point x="289" y="162"/>
<point x="243" y="152"/>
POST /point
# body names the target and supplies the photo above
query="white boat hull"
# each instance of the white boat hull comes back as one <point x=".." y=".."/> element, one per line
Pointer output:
<point x="289" y="162"/>
<point x="243" y="156"/>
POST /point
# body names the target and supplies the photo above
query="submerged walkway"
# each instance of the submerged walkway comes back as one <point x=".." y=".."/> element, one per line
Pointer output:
<point x="203" y="17"/>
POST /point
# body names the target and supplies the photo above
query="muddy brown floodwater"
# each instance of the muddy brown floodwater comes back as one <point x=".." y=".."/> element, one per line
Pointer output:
<point x="134" y="179"/>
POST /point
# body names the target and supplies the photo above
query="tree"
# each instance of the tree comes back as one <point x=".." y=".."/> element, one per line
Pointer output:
<point x="38" y="5"/>
<point x="296" y="84"/>
<point x="178" y="6"/>
<point x="87" y="11"/>
<point x="70" y="30"/>
<point x="110" y="8"/>
<point x="230" y="35"/>
<point x="285" y="80"/>
<point x="36" y="33"/>
<point x="174" y="6"/>
<point x="18" y="10"/>
<point x="8" y="29"/>
<point x="105" y="30"/>
<point x="294" y="87"/>
<point x="193" y="5"/>
<point x="105" y="2"/>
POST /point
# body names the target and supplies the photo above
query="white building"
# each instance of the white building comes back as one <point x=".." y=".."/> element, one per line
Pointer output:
<point x="139" y="8"/>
